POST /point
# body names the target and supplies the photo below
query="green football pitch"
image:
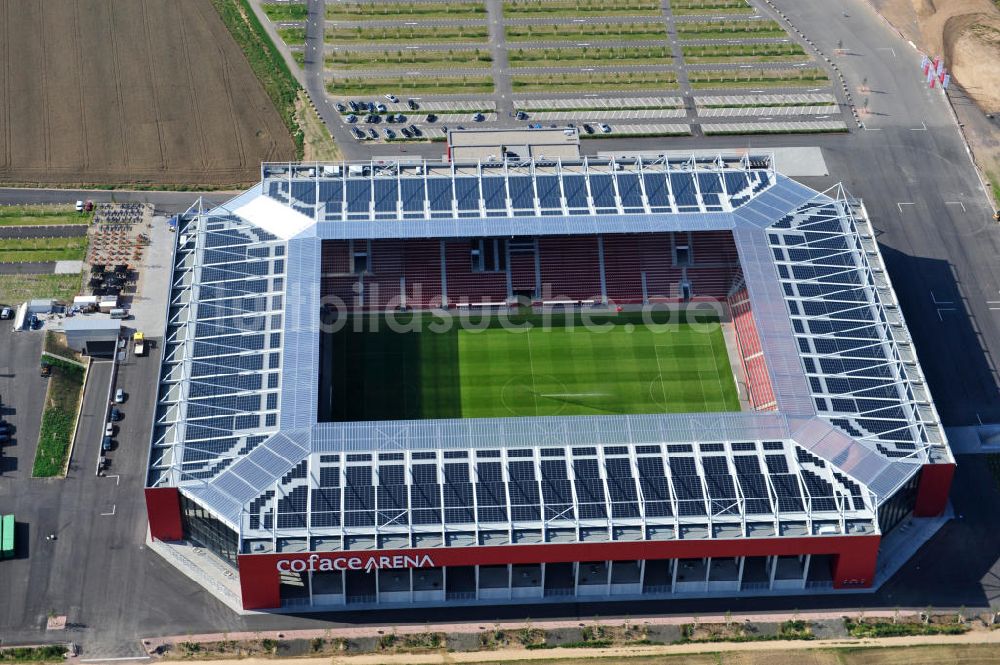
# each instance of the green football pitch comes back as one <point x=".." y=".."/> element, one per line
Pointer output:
<point x="543" y="371"/>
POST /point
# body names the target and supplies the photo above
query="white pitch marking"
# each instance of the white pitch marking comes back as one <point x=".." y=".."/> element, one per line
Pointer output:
<point x="955" y="203"/>
<point x="117" y="479"/>
<point x="944" y="309"/>
<point x="900" y="205"/>
<point x="940" y="302"/>
<point x="921" y="128"/>
<point x="887" y="48"/>
<point x="113" y="506"/>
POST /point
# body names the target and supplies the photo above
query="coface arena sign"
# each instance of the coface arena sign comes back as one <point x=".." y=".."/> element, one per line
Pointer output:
<point x="366" y="563"/>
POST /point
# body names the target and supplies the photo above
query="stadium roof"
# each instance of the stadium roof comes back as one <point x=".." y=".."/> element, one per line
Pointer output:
<point x="236" y="421"/>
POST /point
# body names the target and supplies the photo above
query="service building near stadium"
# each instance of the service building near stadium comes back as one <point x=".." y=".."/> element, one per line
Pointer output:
<point x="835" y="443"/>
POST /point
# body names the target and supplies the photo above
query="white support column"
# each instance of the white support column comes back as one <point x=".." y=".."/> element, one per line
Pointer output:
<point x="543" y="580"/>
<point x="642" y="575"/>
<point x="805" y="570"/>
<point x="444" y="581"/>
<point x="742" y="561"/>
<point x="377" y="594"/>
<point x="673" y="575"/>
<point x="510" y="581"/>
<point x="607" y="588"/>
<point x="774" y="568"/>
<point x="310" y="578"/>
<point x="708" y="571"/>
<point x="576" y="576"/>
<point x="477" y="582"/>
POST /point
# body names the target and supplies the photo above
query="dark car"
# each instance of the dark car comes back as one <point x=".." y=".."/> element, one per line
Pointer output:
<point x="390" y="118"/>
<point x="358" y="134"/>
<point x="341" y="108"/>
<point x="479" y="117"/>
<point x="4" y="438"/>
<point x="106" y="443"/>
<point x="116" y="414"/>
<point x="431" y="117"/>
<point x="412" y="104"/>
<point x="521" y="115"/>
<point x="406" y="133"/>
<point x="4" y="428"/>
<point x="374" y="119"/>
<point x="588" y="129"/>
<point x="400" y="117"/>
<point x="352" y="118"/>
<point x="372" y="134"/>
<point x="415" y="130"/>
<point x="354" y="106"/>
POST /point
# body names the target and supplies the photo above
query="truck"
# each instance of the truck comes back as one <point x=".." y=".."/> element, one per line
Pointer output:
<point x="140" y="343"/>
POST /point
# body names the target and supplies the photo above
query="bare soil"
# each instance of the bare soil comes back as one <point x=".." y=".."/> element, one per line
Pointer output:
<point x="142" y="92"/>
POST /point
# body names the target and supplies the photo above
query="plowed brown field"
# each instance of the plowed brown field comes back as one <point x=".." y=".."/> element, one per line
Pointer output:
<point x="129" y="92"/>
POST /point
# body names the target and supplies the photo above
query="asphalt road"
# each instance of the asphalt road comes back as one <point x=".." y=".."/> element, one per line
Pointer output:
<point x="165" y="202"/>
<point x="44" y="231"/>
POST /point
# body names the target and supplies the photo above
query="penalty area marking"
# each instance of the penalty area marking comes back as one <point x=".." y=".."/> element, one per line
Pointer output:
<point x="900" y="204"/>
<point x="955" y="203"/>
<point x="111" y="514"/>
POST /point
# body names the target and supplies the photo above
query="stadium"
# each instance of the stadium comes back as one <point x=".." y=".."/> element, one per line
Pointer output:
<point x="391" y="384"/>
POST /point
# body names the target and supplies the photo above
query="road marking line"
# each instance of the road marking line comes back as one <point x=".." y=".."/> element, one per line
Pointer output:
<point x="900" y="205"/>
<point x="940" y="302"/>
<point x="921" y="128"/>
<point x="955" y="203"/>
<point x="887" y="48"/>
<point x="105" y="660"/>
<point x="117" y="479"/>
<point x="113" y="507"/>
<point x="944" y="309"/>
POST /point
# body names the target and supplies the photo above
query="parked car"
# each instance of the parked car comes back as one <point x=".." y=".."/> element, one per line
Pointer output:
<point x="358" y="134"/>
<point x="352" y="118"/>
<point x="588" y="129"/>
<point x="392" y="98"/>
<point x="341" y="108"/>
<point x="106" y="443"/>
<point x="4" y="428"/>
<point x="372" y="134"/>
<point x="400" y="117"/>
<point x="109" y="429"/>
<point x="431" y="117"/>
<point x="354" y="106"/>
<point x="412" y="104"/>
<point x="388" y="134"/>
<point x="116" y="414"/>
<point x="79" y="206"/>
<point x="521" y="115"/>
<point x="606" y="129"/>
<point x="380" y="108"/>
<point x="119" y="396"/>
<point x="415" y="130"/>
<point x="6" y="313"/>
<point x="479" y="117"/>
<point x="4" y="438"/>
<point x="406" y="133"/>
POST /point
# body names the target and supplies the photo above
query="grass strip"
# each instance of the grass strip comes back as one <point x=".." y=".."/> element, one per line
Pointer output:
<point x="345" y="59"/>
<point x="744" y="53"/>
<point x="266" y="62"/>
<point x="442" y="85"/>
<point x="590" y="32"/>
<point x="286" y="12"/>
<point x="994" y="185"/>
<point x="729" y="29"/>
<point x="597" y="56"/>
<point x="58" y="219"/>
<point x="19" y="288"/>
<point x="393" y="11"/>
<point x="62" y="403"/>
<point x="694" y="7"/>
<point x="409" y="35"/>
<point x="765" y="105"/>
<point x="50" y="653"/>
<point x="27" y="250"/>
<point x="574" y="8"/>
<point x="293" y="36"/>
<point x="595" y="81"/>
<point x="767" y="78"/>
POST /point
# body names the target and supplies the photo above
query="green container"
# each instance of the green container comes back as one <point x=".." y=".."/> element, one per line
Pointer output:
<point x="7" y="537"/>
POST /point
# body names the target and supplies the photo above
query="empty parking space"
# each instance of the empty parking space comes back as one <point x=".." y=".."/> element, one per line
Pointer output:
<point x="765" y="100"/>
<point x="805" y="126"/>
<point x="599" y="103"/>
<point x="767" y="111"/>
<point x="609" y="116"/>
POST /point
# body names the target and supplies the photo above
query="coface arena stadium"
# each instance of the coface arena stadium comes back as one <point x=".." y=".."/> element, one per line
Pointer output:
<point x="417" y="384"/>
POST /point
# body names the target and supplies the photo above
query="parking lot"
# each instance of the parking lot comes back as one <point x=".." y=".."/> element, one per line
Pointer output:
<point x="22" y="396"/>
<point x="602" y="66"/>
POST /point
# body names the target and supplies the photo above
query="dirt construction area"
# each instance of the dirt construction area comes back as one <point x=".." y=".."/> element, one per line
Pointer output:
<point x="129" y="92"/>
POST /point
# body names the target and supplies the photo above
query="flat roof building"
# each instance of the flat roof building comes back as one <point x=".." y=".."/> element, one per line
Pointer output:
<point x="497" y="145"/>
